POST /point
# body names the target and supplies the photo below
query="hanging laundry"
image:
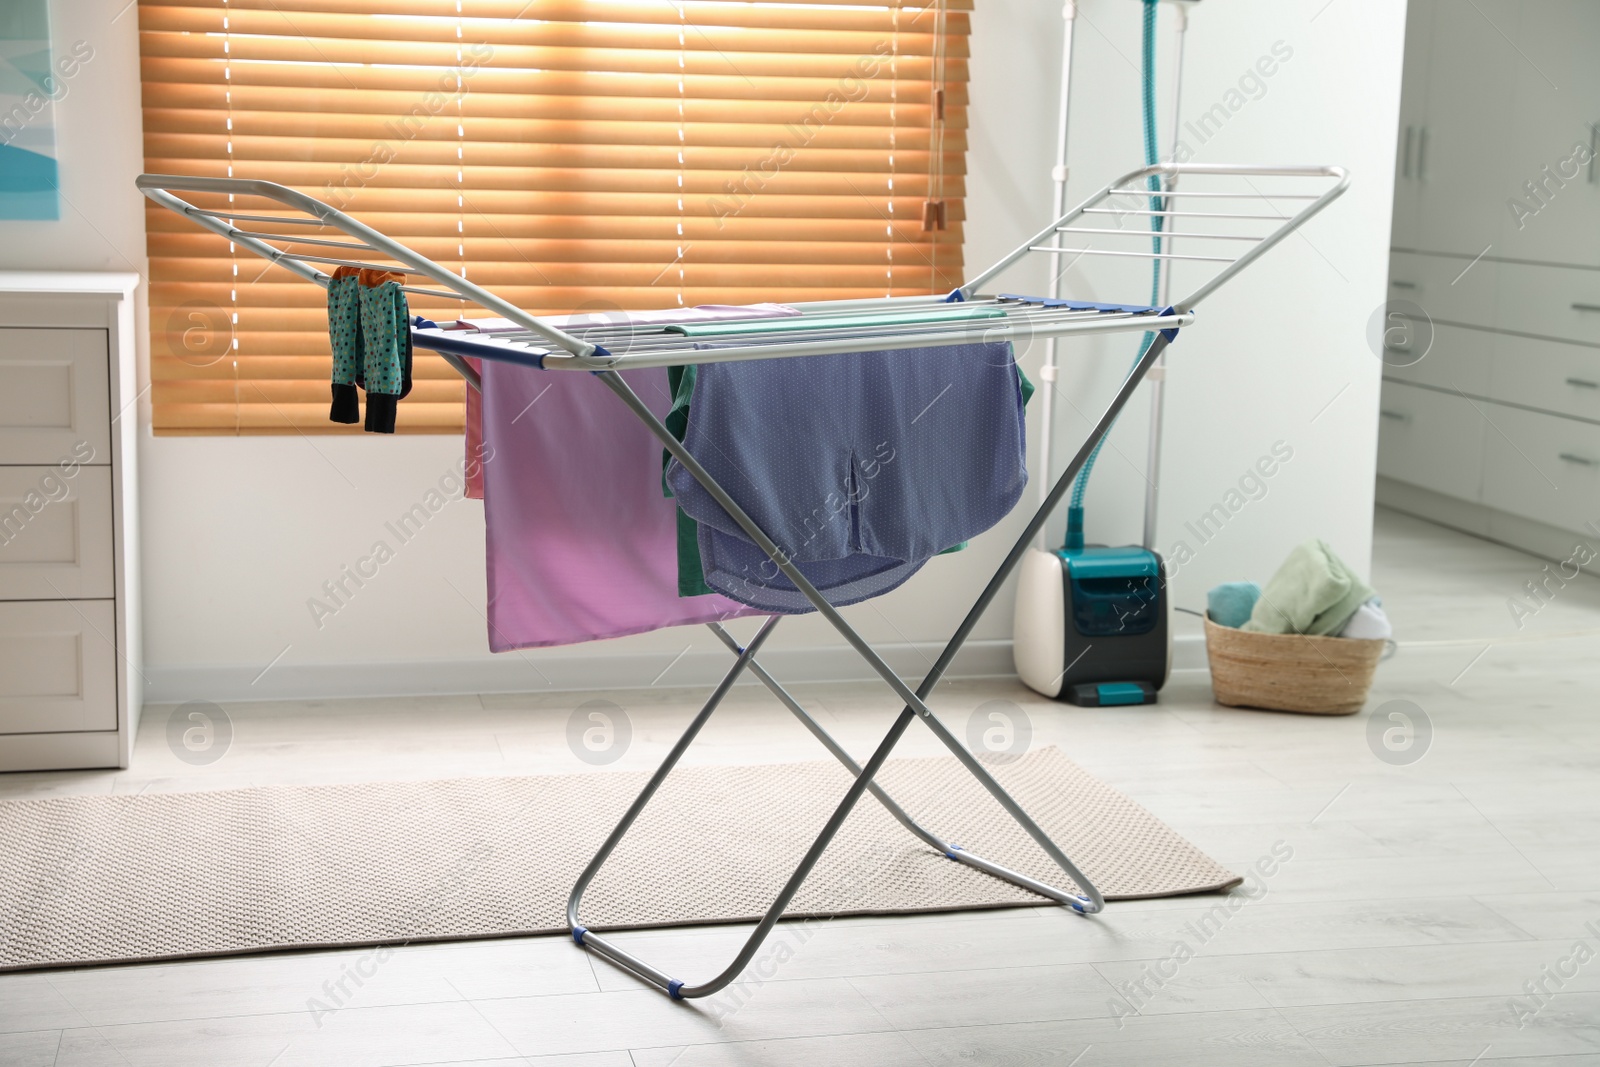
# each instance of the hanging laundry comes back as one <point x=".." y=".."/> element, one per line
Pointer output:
<point x="691" y="575"/>
<point x="369" y="331"/>
<point x="583" y="320"/>
<point x="344" y="337"/>
<point x="860" y="467"/>
<point x="580" y="538"/>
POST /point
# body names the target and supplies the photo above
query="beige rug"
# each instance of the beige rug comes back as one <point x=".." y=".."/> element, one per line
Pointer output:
<point x="99" y="879"/>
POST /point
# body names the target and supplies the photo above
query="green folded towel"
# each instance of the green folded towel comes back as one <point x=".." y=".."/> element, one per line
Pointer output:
<point x="1312" y="593"/>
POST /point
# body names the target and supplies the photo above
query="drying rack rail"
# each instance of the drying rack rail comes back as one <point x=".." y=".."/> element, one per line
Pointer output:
<point x="1113" y="224"/>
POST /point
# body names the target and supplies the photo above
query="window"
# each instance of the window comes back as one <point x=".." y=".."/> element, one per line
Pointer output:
<point x="566" y="154"/>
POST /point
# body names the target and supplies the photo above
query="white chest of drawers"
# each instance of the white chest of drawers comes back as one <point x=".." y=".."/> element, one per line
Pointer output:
<point x="70" y="681"/>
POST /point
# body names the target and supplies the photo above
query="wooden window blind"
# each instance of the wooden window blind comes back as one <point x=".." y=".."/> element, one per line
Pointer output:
<point x="566" y="154"/>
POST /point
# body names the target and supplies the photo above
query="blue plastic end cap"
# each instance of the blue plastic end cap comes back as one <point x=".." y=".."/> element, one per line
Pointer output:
<point x="1170" y="334"/>
<point x="600" y="351"/>
<point x="424" y="324"/>
<point x="956" y="296"/>
<point x="672" y="989"/>
<point x="952" y="853"/>
<point x="578" y="932"/>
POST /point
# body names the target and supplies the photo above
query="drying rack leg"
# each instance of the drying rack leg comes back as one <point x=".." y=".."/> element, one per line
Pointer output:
<point x="928" y="837"/>
<point x="1089" y="901"/>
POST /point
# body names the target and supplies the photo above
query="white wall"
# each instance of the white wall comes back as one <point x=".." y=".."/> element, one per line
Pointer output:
<point x="239" y="533"/>
<point x="1271" y="351"/>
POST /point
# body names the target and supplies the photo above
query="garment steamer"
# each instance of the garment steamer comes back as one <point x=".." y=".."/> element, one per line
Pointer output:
<point x="1092" y="622"/>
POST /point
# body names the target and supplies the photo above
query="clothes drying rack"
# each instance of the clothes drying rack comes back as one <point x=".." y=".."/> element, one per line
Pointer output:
<point x="1098" y="227"/>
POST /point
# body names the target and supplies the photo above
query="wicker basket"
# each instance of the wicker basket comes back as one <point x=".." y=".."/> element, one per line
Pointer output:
<point x="1290" y="672"/>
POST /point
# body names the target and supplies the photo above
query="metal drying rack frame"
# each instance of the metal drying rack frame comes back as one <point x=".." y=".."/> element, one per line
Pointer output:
<point x="825" y="327"/>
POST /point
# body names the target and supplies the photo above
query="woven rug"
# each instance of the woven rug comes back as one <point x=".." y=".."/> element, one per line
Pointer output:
<point x="99" y="879"/>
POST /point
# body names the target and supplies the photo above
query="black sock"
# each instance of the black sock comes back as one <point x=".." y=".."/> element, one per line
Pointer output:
<point x="380" y="412"/>
<point x="346" y="408"/>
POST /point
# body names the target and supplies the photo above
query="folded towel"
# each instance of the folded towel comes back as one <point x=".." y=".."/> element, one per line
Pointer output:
<point x="1230" y="603"/>
<point x="1369" y="623"/>
<point x="1312" y="593"/>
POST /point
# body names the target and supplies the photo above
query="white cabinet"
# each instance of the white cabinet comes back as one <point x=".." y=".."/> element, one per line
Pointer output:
<point x="1461" y="161"/>
<point x="1413" y="120"/>
<point x="1457" y="360"/>
<point x="1432" y="439"/>
<point x="1497" y="240"/>
<point x="58" y="670"/>
<point x="54" y="394"/>
<point x="1450" y="289"/>
<point x="1545" y="375"/>
<point x="70" y="683"/>
<point x="1542" y="468"/>
<point x="1550" y="301"/>
<point x="1551" y="198"/>
<point x="56" y="533"/>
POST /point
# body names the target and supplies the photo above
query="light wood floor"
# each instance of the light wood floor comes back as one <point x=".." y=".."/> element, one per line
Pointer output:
<point x="1415" y="903"/>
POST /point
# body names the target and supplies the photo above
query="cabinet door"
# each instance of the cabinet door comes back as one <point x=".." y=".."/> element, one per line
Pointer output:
<point x="1561" y="302"/>
<point x="55" y="533"/>
<point x="1461" y="156"/>
<point x="1547" y="375"/>
<point x="1431" y="439"/>
<point x="1543" y="467"/>
<point x="1551" y="197"/>
<point x="58" y="666"/>
<point x="1413" y="116"/>
<point x="55" y="396"/>
<point x="1457" y="359"/>
<point x="1451" y="289"/>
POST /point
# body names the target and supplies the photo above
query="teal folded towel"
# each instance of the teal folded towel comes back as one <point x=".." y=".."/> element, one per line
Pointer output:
<point x="1231" y="603"/>
<point x="1312" y="593"/>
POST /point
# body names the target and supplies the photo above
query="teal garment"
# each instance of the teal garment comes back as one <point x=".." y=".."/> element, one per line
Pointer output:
<point x="369" y="332"/>
<point x="385" y="329"/>
<point x="1314" y="592"/>
<point x="344" y="329"/>
<point x="1231" y="603"/>
<point x="349" y="352"/>
<point x="691" y="573"/>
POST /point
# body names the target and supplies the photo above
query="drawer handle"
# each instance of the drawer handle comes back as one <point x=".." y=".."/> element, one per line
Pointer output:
<point x="1402" y="285"/>
<point x="1583" y="383"/>
<point x="1582" y="461"/>
<point x="1399" y="416"/>
<point x="1586" y="307"/>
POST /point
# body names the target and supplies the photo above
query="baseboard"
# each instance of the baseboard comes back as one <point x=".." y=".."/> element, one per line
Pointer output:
<point x="171" y="684"/>
<point x="1189" y="652"/>
<point x="1503" y="528"/>
<point x="61" y="752"/>
<point x="174" y="684"/>
<point x="511" y="673"/>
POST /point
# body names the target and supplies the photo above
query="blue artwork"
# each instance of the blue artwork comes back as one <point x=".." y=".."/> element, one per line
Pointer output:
<point x="30" y="84"/>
